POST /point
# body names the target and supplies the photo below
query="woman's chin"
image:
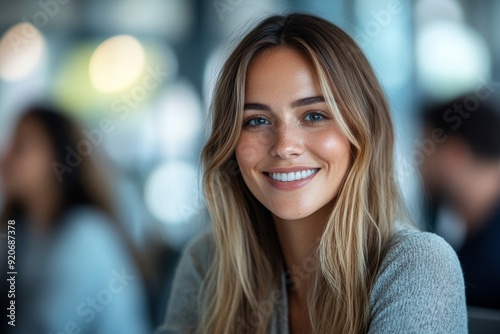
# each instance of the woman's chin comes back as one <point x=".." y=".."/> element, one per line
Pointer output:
<point x="291" y="215"/>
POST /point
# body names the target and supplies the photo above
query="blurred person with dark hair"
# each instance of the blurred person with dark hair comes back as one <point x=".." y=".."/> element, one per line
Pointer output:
<point x="76" y="270"/>
<point x="461" y="175"/>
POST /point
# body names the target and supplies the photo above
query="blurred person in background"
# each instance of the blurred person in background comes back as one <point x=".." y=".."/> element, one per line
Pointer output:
<point x="77" y="271"/>
<point x="461" y="177"/>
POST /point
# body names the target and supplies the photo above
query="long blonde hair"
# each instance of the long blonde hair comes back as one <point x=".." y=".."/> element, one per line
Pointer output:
<point x="247" y="266"/>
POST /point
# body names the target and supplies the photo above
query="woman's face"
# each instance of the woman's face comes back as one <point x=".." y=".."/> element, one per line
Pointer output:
<point x="292" y="154"/>
<point x="27" y="166"/>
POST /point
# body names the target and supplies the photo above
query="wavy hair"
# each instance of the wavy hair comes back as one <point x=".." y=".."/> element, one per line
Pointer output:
<point x="248" y="264"/>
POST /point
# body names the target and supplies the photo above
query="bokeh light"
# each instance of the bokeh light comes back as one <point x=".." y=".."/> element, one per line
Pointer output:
<point x="22" y="50"/>
<point x="172" y="192"/>
<point x="179" y="119"/>
<point x="451" y="58"/>
<point x="82" y="97"/>
<point x="116" y="63"/>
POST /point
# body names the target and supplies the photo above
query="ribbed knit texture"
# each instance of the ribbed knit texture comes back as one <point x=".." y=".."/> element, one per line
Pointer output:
<point x="420" y="289"/>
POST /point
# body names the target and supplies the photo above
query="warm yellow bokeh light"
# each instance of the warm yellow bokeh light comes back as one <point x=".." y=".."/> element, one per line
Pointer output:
<point x="116" y="63"/>
<point x="22" y="50"/>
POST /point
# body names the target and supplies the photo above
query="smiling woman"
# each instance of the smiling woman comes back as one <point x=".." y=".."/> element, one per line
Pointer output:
<point x="309" y="235"/>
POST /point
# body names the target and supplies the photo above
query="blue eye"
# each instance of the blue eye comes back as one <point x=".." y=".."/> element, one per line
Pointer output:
<point x="257" y="121"/>
<point x="314" y="117"/>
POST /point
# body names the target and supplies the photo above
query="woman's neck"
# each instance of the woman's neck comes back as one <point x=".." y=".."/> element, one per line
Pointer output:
<point x="299" y="240"/>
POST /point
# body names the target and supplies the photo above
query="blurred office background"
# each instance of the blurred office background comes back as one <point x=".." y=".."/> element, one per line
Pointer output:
<point x="149" y="66"/>
<point x="138" y="75"/>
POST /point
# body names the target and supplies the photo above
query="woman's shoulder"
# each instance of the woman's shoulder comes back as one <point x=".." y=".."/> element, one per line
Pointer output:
<point x="411" y="245"/>
<point x="420" y="286"/>
<point x="84" y="224"/>
<point x="88" y="236"/>
<point x="199" y="252"/>
<point x="184" y="304"/>
<point x="418" y="257"/>
<point x="82" y="220"/>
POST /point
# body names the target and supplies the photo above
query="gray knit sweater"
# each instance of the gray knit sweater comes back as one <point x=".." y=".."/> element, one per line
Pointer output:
<point x="419" y="289"/>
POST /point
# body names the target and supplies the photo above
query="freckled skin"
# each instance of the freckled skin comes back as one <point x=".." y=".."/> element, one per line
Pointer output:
<point x="286" y="136"/>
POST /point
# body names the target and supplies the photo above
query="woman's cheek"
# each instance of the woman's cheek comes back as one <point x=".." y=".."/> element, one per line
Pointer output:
<point x="251" y="148"/>
<point x="332" y="143"/>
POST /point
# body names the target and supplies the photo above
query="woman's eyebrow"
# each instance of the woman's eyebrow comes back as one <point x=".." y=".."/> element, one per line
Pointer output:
<point x="256" y="106"/>
<point x="295" y="104"/>
<point x="307" y="101"/>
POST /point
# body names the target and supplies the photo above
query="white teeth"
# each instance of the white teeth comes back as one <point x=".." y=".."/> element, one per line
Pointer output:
<point x="293" y="176"/>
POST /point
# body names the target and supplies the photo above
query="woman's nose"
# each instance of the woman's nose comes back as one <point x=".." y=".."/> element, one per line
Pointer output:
<point x="287" y="142"/>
